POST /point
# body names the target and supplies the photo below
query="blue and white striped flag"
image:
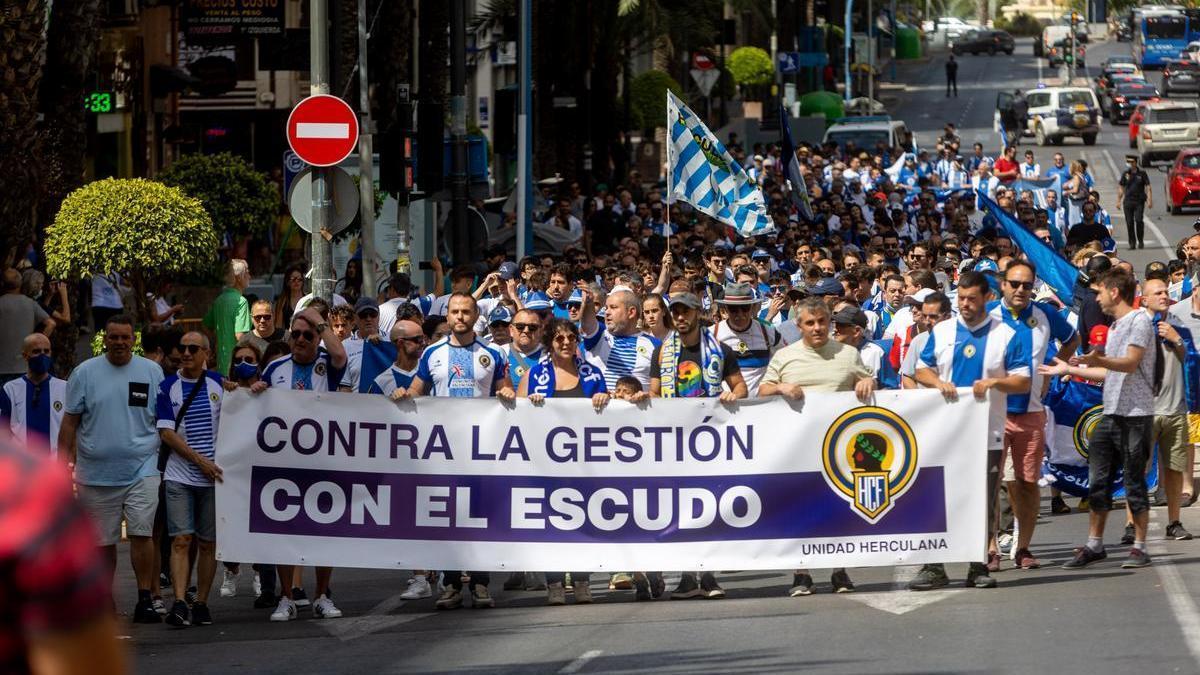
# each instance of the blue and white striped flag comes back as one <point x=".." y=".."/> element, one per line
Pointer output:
<point x="705" y="175"/>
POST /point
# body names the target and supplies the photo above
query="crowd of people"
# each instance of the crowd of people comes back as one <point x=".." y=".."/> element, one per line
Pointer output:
<point x="901" y="277"/>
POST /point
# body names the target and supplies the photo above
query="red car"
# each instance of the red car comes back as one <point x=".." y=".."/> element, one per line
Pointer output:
<point x="1135" y="122"/>
<point x="1183" y="181"/>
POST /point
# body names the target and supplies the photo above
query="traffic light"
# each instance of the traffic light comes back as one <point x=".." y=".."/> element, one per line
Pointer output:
<point x="431" y="134"/>
<point x="395" y="156"/>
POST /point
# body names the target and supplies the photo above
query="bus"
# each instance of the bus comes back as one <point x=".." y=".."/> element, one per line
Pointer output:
<point x="1159" y="37"/>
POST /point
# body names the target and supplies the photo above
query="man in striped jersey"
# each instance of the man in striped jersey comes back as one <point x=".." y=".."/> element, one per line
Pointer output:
<point x="752" y="342"/>
<point x="619" y="345"/>
<point x="187" y="423"/>
<point x="31" y="406"/>
<point x="410" y="342"/>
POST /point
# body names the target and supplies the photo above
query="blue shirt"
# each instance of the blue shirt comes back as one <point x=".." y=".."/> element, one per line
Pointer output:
<point x="198" y="428"/>
<point x="118" y="439"/>
<point x="1063" y="172"/>
<point x="392" y="379"/>
<point x="1039" y="325"/>
<point x="470" y="371"/>
<point x="27" y="407"/>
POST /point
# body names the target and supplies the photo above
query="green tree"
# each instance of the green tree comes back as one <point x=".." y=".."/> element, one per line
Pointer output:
<point x="239" y="199"/>
<point x="144" y="230"/>
<point x="649" y="98"/>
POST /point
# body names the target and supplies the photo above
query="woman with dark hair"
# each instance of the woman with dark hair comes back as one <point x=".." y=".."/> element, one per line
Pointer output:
<point x="293" y="291"/>
<point x="351" y="285"/>
<point x="563" y="373"/>
<point x="656" y="319"/>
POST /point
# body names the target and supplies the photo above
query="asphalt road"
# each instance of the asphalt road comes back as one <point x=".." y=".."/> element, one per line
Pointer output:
<point x="1104" y="619"/>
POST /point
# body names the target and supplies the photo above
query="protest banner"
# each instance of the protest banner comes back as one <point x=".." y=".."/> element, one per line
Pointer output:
<point x="351" y="480"/>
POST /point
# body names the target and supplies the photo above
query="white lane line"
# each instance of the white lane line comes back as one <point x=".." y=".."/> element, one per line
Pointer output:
<point x="1179" y="597"/>
<point x="576" y="665"/>
<point x="1158" y="234"/>
<point x="1039" y="64"/>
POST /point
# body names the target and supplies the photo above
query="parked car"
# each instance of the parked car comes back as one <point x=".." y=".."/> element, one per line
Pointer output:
<point x="1181" y="77"/>
<point x="1121" y="100"/>
<point x="1191" y="52"/>
<point x="1055" y="113"/>
<point x="1061" y="53"/>
<point x="1135" y="122"/>
<point x="984" y="42"/>
<point x="1167" y="128"/>
<point x="1183" y="181"/>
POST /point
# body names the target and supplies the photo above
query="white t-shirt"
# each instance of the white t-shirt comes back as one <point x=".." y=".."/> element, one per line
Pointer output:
<point x="303" y="302"/>
<point x="105" y="291"/>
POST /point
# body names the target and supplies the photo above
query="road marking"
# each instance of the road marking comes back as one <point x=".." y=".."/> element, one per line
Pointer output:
<point x="1154" y="230"/>
<point x="322" y="130"/>
<point x="378" y="618"/>
<point x="1179" y="598"/>
<point x="1039" y="64"/>
<point x="899" y="600"/>
<point x="578" y="664"/>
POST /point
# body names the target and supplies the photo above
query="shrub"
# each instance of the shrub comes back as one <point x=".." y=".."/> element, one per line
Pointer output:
<point x="240" y="199"/>
<point x="750" y="67"/>
<point x="648" y="106"/>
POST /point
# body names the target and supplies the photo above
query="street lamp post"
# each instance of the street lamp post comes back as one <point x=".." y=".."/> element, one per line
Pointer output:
<point x="846" y="43"/>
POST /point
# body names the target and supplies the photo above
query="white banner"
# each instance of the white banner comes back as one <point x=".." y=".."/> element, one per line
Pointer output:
<point x="352" y="480"/>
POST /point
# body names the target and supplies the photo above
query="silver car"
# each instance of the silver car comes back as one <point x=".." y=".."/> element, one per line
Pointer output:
<point x="1168" y="127"/>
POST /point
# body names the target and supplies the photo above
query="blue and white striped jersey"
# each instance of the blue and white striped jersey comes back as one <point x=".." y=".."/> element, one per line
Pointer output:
<point x="963" y="355"/>
<point x="1042" y="324"/>
<point x="392" y="379"/>
<point x="320" y="375"/>
<point x="198" y="426"/>
<point x="38" y="408"/>
<point x="622" y="355"/>
<point x="470" y="371"/>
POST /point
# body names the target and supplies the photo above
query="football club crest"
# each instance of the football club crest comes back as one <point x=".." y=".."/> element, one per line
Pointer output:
<point x="1031" y="322"/>
<point x="485" y="360"/>
<point x="870" y="459"/>
<point x="58" y="406"/>
<point x="969" y="351"/>
<point x="741" y="347"/>
<point x="319" y="369"/>
<point x="212" y="396"/>
<point x="1081" y="433"/>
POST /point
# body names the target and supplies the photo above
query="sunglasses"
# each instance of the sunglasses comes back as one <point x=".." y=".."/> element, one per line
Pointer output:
<point x="1027" y="285"/>
<point x="191" y="349"/>
<point x="566" y="337"/>
<point x="306" y="334"/>
<point x="246" y="360"/>
<point x="526" y="327"/>
<point x="262" y="317"/>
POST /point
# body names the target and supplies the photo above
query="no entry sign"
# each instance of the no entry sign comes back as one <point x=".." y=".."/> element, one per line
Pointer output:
<point x="322" y="130"/>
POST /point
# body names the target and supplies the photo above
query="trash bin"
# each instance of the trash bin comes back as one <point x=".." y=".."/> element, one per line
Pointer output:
<point x="908" y="43"/>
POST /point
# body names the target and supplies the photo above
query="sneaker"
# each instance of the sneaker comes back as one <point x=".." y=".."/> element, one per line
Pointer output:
<point x="841" y="582"/>
<point x="418" y="587"/>
<point x="285" y="610"/>
<point x="1059" y="506"/>
<point x="1127" y="538"/>
<point x="515" y="581"/>
<point x="708" y="584"/>
<point x="229" y="585"/>
<point x="300" y="597"/>
<point x="993" y="562"/>
<point x="687" y="588"/>
<point x="583" y="592"/>
<point x="1005" y="543"/>
<point x="160" y="607"/>
<point x="658" y="585"/>
<point x="1083" y="557"/>
<point x="1137" y="558"/>
<point x="1025" y="560"/>
<point x="1175" y="531"/>
<point x="190" y="596"/>
<point x="323" y="608"/>
<point x="621" y="581"/>
<point x="802" y="584"/>
<point x="1159" y="498"/>
<point x="178" y="616"/>
<point x="556" y="595"/>
<point x="929" y="578"/>
<point x="482" y="597"/>
<point x="978" y="576"/>
<point x="200" y="614"/>
<point x="451" y="598"/>
<point x="256" y="585"/>
<point x="143" y="612"/>
<point x="641" y="587"/>
<point x="164" y="580"/>
<point x="1187" y="500"/>
<point x="265" y="600"/>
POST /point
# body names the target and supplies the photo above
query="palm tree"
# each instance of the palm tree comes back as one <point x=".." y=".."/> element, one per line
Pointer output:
<point x="22" y="55"/>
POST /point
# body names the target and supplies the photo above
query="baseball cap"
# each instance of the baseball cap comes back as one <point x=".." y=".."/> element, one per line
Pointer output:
<point x="365" y="303"/>
<point x="1108" y="245"/>
<point x="850" y="316"/>
<point x="538" y="301"/>
<point x="919" y="297"/>
<point x="687" y="299"/>
<point x="760" y="253"/>
<point x="827" y="286"/>
<point x="576" y="297"/>
<point x="500" y="315"/>
<point x="986" y="265"/>
<point x="508" y="270"/>
<point x="1156" y="270"/>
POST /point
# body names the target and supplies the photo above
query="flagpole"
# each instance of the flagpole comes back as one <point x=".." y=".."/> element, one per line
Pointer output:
<point x="670" y="170"/>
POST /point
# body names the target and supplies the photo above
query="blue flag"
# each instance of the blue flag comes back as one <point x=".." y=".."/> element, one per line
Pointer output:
<point x="376" y="358"/>
<point x="1058" y="273"/>
<point x="799" y="191"/>
<point x="1038" y="187"/>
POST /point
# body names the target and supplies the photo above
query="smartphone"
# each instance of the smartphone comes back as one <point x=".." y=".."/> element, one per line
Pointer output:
<point x="424" y="265"/>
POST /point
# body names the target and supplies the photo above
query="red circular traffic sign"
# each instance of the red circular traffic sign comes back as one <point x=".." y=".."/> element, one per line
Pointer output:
<point x="702" y="61"/>
<point x="322" y="130"/>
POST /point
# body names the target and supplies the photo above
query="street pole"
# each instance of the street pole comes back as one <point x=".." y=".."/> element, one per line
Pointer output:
<point x="458" y="131"/>
<point x="870" y="54"/>
<point x="321" y="274"/>
<point x="366" y="162"/>
<point x="846" y="41"/>
<point x="524" y="184"/>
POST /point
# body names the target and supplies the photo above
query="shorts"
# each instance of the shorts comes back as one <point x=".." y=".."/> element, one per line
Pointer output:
<point x="1193" y="428"/>
<point x="1025" y="444"/>
<point x="1170" y="432"/>
<point x="107" y="504"/>
<point x="191" y="510"/>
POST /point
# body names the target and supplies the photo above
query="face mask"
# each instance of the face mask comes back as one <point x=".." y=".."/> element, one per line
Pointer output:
<point x="245" y="371"/>
<point x="40" y="364"/>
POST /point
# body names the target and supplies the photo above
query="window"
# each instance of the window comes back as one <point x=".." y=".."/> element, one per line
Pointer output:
<point x="1190" y="161"/>
<point x="1069" y="99"/>
<point x="1165" y="27"/>
<point x="1038" y="100"/>
<point x="1173" y="116"/>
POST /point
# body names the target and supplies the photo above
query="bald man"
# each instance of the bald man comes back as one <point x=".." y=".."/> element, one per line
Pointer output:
<point x="410" y="343"/>
<point x="31" y="406"/>
<point x="22" y="316"/>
